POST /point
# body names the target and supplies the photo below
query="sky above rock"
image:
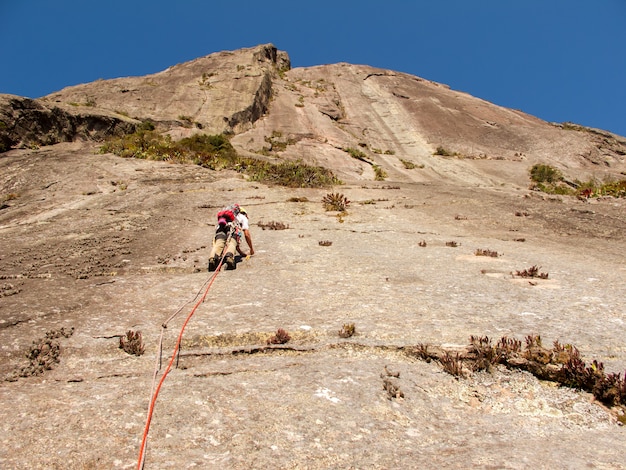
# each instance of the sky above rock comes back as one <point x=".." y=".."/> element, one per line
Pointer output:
<point x="561" y="60"/>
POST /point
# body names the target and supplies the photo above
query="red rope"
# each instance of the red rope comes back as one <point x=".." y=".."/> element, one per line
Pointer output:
<point x="144" y="440"/>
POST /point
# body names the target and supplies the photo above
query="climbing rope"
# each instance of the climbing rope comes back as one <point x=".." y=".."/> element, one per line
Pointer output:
<point x="154" y="393"/>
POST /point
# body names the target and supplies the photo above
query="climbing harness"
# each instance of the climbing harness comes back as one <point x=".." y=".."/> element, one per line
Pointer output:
<point x="156" y="388"/>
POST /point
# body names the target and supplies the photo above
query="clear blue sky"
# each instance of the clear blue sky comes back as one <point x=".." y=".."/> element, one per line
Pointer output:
<point x="560" y="60"/>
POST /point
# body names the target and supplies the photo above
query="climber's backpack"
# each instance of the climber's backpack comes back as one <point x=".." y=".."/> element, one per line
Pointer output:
<point x="227" y="215"/>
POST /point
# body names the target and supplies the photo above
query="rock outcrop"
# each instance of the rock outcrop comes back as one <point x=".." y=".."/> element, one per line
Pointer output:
<point x="410" y="128"/>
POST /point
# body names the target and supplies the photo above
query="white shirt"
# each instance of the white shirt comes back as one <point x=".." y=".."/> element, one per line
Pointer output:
<point x="243" y="221"/>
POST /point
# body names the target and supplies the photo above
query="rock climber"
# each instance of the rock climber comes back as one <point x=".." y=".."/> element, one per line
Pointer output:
<point x="231" y="226"/>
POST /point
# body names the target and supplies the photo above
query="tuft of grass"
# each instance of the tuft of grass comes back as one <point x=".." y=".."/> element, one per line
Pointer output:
<point x="408" y="164"/>
<point x="358" y="154"/>
<point x="379" y="173"/>
<point x="325" y="243"/>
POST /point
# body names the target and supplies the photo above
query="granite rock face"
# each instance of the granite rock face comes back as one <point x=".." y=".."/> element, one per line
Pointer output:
<point x="94" y="246"/>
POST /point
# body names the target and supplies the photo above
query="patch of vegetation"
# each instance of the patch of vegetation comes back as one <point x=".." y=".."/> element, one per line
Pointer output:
<point x="562" y="364"/>
<point x="358" y="154"/>
<point x="216" y="153"/>
<point x="481" y="252"/>
<point x="132" y="343"/>
<point x="452" y="364"/>
<point x="347" y="330"/>
<point x="297" y="199"/>
<point x="532" y="272"/>
<point x="187" y="120"/>
<point x="410" y="165"/>
<point x="276" y="143"/>
<point x="390" y="385"/>
<point x="541" y="173"/>
<point x="43" y="355"/>
<point x="289" y="173"/>
<point x="147" y="125"/>
<point x="273" y="226"/>
<point x="550" y="180"/>
<point x="422" y="243"/>
<point x="8" y="197"/>
<point x="452" y="244"/>
<point x="594" y="189"/>
<point x="324" y="243"/>
<point x="335" y="202"/>
<point x="280" y="337"/>
<point x="204" y="80"/>
<point x="441" y="151"/>
<point x="379" y="173"/>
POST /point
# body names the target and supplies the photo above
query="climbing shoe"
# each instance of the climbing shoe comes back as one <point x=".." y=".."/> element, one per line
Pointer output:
<point x="213" y="262"/>
<point x="229" y="261"/>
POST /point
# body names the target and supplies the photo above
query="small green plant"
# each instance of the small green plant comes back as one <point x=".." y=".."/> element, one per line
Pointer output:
<point x="347" y="330"/>
<point x="280" y="337"/>
<point x="445" y="152"/>
<point x="187" y="120"/>
<point x="276" y="143"/>
<point x="408" y="164"/>
<point x="147" y="125"/>
<point x="356" y="153"/>
<point x="379" y="173"/>
<point x="335" y="202"/>
<point x="541" y="173"/>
